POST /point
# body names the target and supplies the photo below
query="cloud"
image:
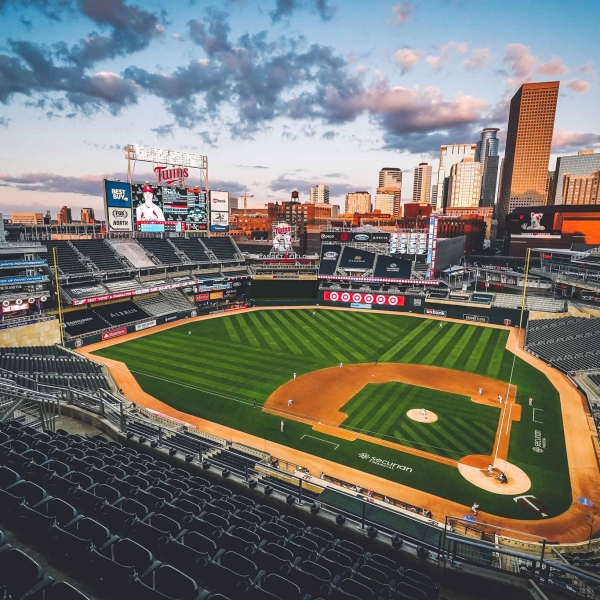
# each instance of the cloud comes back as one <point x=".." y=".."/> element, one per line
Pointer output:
<point x="251" y="167"/>
<point x="132" y="29"/>
<point x="4" y="121"/>
<point x="437" y="63"/>
<point x="406" y="59"/>
<point x="587" y="68"/>
<point x="555" y="66"/>
<point x="285" y="8"/>
<point x="285" y="184"/>
<point x="164" y="130"/>
<point x="572" y="141"/>
<point x="403" y="13"/>
<point x="578" y="86"/>
<point x="479" y="58"/>
<point x="86" y="185"/>
<point x="329" y="135"/>
<point x="233" y="187"/>
<point x="32" y="71"/>
<point x="53" y="9"/>
<point x="520" y="63"/>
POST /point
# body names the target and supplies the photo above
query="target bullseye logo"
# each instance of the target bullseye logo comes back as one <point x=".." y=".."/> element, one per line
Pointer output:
<point x="334" y="297"/>
<point x="369" y="298"/>
<point x="357" y="298"/>
<point x="380" y="299"/>
<point x="345" y="297"/>
<point x="344" y="237"/>
<point x="392" y="300"/>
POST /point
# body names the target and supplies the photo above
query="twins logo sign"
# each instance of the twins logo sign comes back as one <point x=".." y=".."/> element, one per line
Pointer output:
<point x="379" y="299"/>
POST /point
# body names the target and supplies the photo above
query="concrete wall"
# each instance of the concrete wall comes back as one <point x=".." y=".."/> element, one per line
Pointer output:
<point x="43" y="333"/>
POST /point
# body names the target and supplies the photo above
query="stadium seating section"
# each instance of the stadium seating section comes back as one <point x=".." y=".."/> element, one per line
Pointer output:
<point x="67" y="258"/>
<point x="192" y="248"/>
<point x="569" y="344"/>
<point x="36" y="366"/>
<point x="132" y="252"/>
<point x="161" y="250"/>
<point x="222" y="247"/>
<point x="176" y="299"/>
<point x="156" y="305"/>
<point x="83" y="321"/>
<point x="100" y="253"/>
<point x="136" y="527"/>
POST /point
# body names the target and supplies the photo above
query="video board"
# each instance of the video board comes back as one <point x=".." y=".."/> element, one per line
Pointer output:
<point x="408" y="242"/>
<point x="165" y="208"/>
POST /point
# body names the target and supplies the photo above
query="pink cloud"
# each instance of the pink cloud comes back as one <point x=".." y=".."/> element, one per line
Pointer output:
<point x="573" y="140"/>
<point x="479" y="58"/>
<point x="555" y="66"/>
<point x="406" y="59"/>
<point x="578" y="86"/>
<point x="403" y="13"/>
<point x="520" y="62"/>
<point x="437" y="63"/>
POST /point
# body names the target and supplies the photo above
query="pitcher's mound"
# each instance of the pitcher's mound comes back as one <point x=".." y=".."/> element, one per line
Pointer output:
<point x="474" y="469"/>
<point x="416" y="414"/>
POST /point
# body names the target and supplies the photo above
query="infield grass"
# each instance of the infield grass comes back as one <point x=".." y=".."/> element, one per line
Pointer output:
<point x="463" y="427"/>
<point x="227" y="361"/>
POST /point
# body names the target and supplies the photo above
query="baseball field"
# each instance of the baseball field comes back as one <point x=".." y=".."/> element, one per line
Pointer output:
<point x="351" y="411"/>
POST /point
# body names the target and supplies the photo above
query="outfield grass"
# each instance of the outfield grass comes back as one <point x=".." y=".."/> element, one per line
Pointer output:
<point x="463" y="427"/>
<point x="217" y="371"/>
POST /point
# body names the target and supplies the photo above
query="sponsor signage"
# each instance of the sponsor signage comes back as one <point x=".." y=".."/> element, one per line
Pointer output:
<point x="476" y="318"/>
<point x="214" y="288"/>
<point x="146" y="325"/>
<point x="109" y="335"/>
<point x="435" y="312"/>
<point x="377" y="299"/>
<point x="5" y="264"/>
<point x="15" y="307"/>
<point x="118" y="194"/>
<point x="216" y="295"/>
<point x="202" y="297"/>
<point x="219" y="211"/>
<point x="23" y="279"/>
<point x="169" y="175"/>
<point x="359" y="305"/>
<point x="432" y="244"/>
<point x="119" y="219"/>
<point x="381" y="462"/>
<point x="171" y="318"/>
<point x="128" y="293"/>
<point x="355" y="236"/>
<point x="11" y="325"/>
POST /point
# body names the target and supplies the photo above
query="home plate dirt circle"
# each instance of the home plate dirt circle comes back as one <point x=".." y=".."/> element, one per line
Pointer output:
<point x="474" y="469"/>
<point x="416" y="414"/>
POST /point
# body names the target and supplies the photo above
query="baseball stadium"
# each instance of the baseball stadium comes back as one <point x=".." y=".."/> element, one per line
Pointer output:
<point x="364" y="414"/>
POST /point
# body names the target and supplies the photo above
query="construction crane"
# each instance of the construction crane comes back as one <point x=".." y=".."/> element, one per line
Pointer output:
<point x="246" y="196"/>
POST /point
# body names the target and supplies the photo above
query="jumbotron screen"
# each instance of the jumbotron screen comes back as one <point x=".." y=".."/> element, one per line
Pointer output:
<point x="163" y="208"/>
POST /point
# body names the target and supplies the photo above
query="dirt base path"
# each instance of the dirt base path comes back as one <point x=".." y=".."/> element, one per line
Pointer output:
<point x="571" y="526"/>
<point x="319" y="396"/>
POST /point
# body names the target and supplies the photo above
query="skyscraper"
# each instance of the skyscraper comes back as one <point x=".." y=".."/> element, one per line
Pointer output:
<point x="581" y="189"/>
<point x="390" y="177"/>
<point x="390" y="184"/>
<point x="358" y="202"/>
<point x="422" y="183"/>
<point x="585" y="162"/>
<point x="487" y="155"/>
<point x="450" y="154"/>
<point x="464" y="187"/>
<point x="319" y="194"/>
<point x="528" y="143"/>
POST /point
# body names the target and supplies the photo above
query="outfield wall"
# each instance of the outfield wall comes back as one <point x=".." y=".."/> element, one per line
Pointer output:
<point x="279" y="289"/>
<point x="463" y="312"/>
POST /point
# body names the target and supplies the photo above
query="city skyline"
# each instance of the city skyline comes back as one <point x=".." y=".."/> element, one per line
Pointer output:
<point x="81" y="81"/>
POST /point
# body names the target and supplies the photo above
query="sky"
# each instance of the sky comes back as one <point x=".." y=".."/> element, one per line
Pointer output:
<point x="279" y="94"/>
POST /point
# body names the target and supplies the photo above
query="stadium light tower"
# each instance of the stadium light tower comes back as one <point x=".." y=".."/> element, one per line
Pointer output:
<point x="245" y="197"/>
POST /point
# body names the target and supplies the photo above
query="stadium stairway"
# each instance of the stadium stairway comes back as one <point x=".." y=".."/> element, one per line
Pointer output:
<point x="134" y="526"/>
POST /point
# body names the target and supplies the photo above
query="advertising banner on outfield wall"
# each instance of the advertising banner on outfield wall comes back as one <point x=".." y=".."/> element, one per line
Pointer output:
<point x="109" y="335"/>
<point x="435" y="312"/>
<point x="378" y="299"/>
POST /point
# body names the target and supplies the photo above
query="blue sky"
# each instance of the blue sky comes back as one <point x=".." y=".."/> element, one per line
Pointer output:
<point x="280" y="94"/>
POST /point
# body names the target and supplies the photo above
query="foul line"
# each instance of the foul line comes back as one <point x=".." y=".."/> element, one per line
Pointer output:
<point x="542" y="422"/>
<point x="316" y="438"/>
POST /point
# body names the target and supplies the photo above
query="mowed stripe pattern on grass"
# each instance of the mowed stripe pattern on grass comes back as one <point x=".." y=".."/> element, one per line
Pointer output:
<point x="249" y="355"/>
<point x="463" y="427"/>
